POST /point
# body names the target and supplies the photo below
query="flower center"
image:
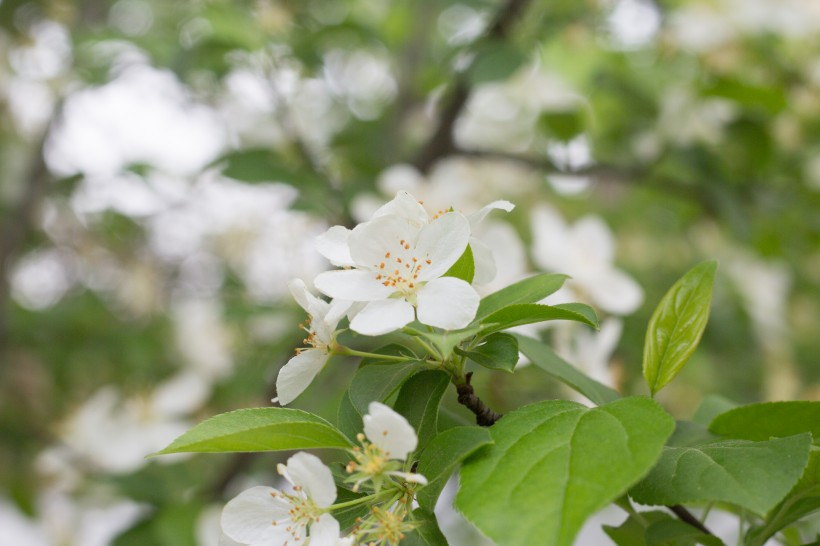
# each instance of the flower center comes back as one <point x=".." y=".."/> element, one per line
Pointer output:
<point x="401" y="267"/>
<point x="302" y="512"/>
<point x="311" y="341"/>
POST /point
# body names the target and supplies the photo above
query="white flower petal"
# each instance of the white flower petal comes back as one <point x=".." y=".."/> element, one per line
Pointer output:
<point x="485" y="268"/>
<point x="389" y="431"/>
<point x="225" y="540"/>
<point x="551" y="245"/>
<point x="592" y="237"/>
<point x="298" y="373"/>
<point x="382" y="317"/>
<point x="352" y="285"/>
<point x="482" y="213"/>
<point x="442" y="241"/>
<point x="615" y="292"/>
<point x="300" y="293"/>
<point x="406" y="206"/>
<point x="400" y="177"/>
<point x="248" y="517"/>
<point x="447" y="303"/>
<point x="325" y="532"/>
<point x="333" y="245"/>
<point x="410" y="477"/>
<point x="315" y="478"/>
<point x="370" y="242"/>
<point x="336" y="312"/>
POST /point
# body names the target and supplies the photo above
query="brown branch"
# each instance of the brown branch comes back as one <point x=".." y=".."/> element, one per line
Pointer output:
<point x="442" y="143"/>
<point x="687" y="517"/>
<point x="484" y="416"/>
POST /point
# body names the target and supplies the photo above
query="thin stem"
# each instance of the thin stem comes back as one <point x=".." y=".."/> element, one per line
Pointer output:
<point x="360" y="500"/>
<point x="347" y="351"/>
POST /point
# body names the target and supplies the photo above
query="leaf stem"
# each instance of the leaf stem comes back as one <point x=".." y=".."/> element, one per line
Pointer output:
<point x="360" y="500"/>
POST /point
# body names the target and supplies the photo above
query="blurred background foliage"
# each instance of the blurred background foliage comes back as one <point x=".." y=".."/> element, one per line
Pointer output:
<point x="165" y="166"/>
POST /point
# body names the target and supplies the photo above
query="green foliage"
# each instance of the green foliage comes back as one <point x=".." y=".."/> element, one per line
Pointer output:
<point x="546" y="359"/>
<point x="529" y="290"/>
<point x="259" y="429"/>
<point x="495" y="61"/>
<point x="578" y="460"/>
<point x="418" y="401"/>
<point x="632" y="532"/>
<point x="426" y="532"/>
<point x="442" y="457"/>
<point x="497" y="351"/>
<point x="532" y="313"/>
<point x="377" y="380"/>
<point x="672" y="532"/>
<point x="464" y="268"/>
<point x="717" y="470"/>
<point x="676" y="326"/>
<point x="769" y="420"/>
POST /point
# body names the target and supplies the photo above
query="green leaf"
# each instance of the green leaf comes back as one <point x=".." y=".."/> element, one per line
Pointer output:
<point x="555" y="463"/>
<point x="545" y="358"/>
<point x="259" y="429"/>
<point x="444" y="453"/>
<point x="802" y="500"/>
<point x="563" y="126"/>
<point x="348" y="419"/>
<point x="347" y="516"/>
<point x="753" y="475"/>
<point x="464" y="268"/>
<point x="531" y="313"/>
<point x="256" y="165"/>
<point x="419" y="400"/>
<point x="426" y="532"/>
<point x="677" y="325"/>
<point x="445" y="342"/>
<point x="498" y="352"/>
<point x="497" y="60"/>
<point x="632" y="532"/>
<point x="673" y="532"/>
<point x="710" y="407"/>
<point x="376" y="380"/>
<point x="769" y="420"/>
<point x="529" y="290"/>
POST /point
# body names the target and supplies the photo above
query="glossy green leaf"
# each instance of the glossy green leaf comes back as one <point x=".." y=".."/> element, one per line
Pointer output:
<point x="376" y="380"/>
<point x="498" y="351"/>
<point x="531" y="313"/>
<point x="676" y="326"/>
<point x="426" y="532"/>
<point x="555" y="463"/>
<point x="529" y="290"/>
<point x="464" y="268"/>
<point x="769" y="420"/>
<point x="802" y="500"/>
<point x="419" y="400"/>
<point x="545" y="358"/>
<point x="673" y="532"/>
<point x="442" y="457"/>
<point x="259" y="429"/>
<point x="752" y="475"/>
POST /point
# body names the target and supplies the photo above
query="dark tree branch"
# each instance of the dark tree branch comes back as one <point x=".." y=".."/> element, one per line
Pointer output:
<point x="687" y="517"/>
<point x="442" y="143"/>
<point x="22" y="220"/>
<point x="484" y="416"/>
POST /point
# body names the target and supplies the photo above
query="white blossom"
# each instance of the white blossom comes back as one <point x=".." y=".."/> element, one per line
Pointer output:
<point x="398" y="259"/>
<point x="264" y="516"/>
<point x="297" y="374"/>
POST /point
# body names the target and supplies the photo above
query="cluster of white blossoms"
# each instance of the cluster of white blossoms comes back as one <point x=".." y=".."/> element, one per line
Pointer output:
<point x="265" y="516"/>
<point x="393" y="272"/>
